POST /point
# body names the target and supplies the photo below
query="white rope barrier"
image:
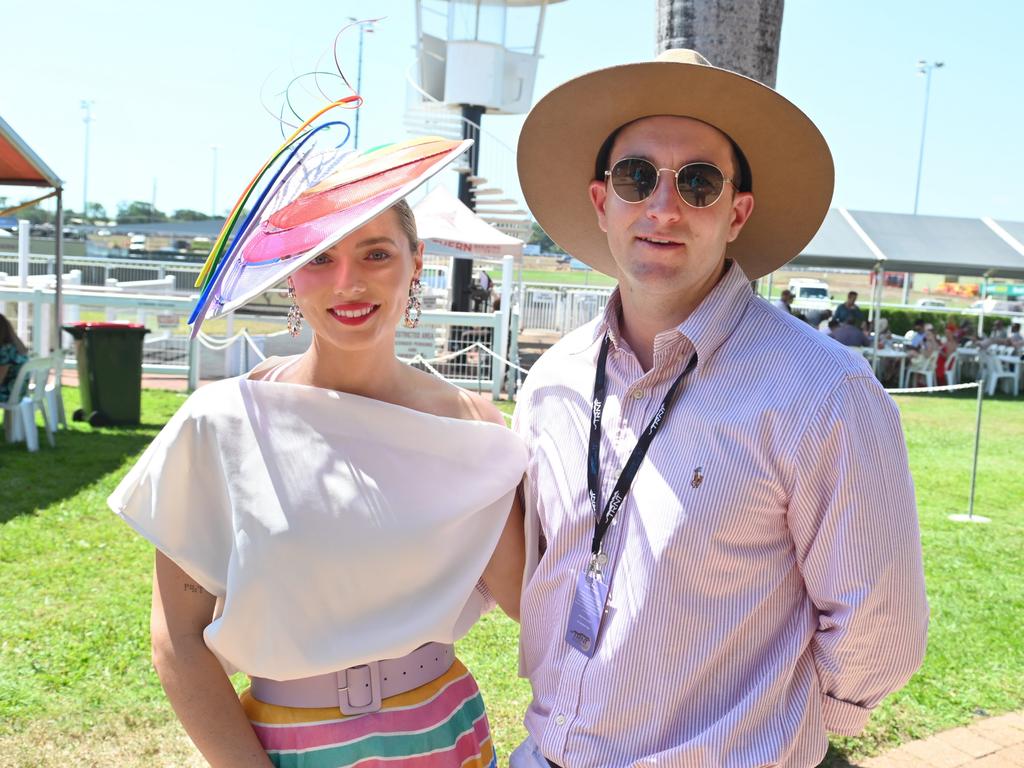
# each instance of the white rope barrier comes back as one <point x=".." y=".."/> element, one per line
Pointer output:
<point x="252" y="345"/>
<point x="923" y="390"/>
<point x="428" y="366"/>
<point x="217" y="345"/>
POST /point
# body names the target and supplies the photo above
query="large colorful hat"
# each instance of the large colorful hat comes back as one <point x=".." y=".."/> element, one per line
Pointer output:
<point x="313" y="200"/>
<point x="789" y="161"/>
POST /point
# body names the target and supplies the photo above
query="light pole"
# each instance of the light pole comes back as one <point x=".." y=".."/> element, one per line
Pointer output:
<point x="213" y="194"/>
<point x="86" y="118"/>
<point x="924" y="68"/>
<point x="364" y="27"/>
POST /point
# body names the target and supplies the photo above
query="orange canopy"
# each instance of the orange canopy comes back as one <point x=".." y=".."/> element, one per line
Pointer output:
<point x="19" y="165"/>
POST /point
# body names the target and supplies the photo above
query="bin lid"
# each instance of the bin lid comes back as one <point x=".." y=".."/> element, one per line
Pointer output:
<point x="104" y="325"/>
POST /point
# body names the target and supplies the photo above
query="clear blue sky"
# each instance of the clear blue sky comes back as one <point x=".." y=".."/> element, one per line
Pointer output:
<point x="170" y="80"/>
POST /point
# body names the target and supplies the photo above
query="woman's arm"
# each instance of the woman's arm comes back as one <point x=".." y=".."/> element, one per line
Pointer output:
<point x="504" y="573"/>
<point x="196" y="685"/>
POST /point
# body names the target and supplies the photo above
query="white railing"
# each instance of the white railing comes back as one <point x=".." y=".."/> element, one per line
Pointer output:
<point x="560" y="308"/>
<point x="96" y="270"/>
<point x="468" y="349"/>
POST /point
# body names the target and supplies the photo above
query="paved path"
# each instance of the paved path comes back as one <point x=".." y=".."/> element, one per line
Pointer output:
<point x="995" y="742"/>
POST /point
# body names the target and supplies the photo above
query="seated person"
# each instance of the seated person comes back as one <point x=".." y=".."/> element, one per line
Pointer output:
<point x="850" y="335"/>
<point x="1014" y="338"/>
<point x="998" y="332"/>
<point x="818" y="318"/>
<point x="831" y="327"/>
<point x="785" y="302"/>
<point x="918" y="338"/>
<point x="13" y="355"/>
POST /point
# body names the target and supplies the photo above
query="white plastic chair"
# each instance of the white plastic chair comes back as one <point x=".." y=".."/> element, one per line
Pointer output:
<point x="996" y="370"/>
<point x="28" y="393"/>
<point x="922" y="365"/>
<point x="54" y="396"/>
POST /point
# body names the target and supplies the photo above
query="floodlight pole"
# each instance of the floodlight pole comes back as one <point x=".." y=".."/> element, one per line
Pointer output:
<point x="364" y="26"/>
<point x="924" y="68"/>
<point x="213" y="193"/>
<point x="87" y="119"/>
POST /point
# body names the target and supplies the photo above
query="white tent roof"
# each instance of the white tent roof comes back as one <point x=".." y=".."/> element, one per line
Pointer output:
<point x="449" y="228"/>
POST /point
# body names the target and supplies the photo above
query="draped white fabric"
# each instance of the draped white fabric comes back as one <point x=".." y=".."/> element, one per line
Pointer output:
<point x="337" y="529"/>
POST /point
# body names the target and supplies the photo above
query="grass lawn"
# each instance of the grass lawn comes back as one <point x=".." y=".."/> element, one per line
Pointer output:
<point x="560" y="276"/>
<point x="76" y="687"/>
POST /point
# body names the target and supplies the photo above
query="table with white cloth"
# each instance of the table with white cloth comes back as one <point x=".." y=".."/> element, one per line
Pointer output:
<point x="888" y="353"/>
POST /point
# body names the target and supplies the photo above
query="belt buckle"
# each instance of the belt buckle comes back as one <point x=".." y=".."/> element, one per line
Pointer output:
<point x="353" y="683"/>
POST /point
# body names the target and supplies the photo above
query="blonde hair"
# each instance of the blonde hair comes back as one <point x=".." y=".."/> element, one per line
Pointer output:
<point x="407" y="221"/>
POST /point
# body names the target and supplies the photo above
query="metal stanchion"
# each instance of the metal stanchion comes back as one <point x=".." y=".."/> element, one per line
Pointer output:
<point x="970" y="517"/>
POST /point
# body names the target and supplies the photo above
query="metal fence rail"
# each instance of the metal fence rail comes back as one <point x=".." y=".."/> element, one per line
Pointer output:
<point x="466" y="348"/>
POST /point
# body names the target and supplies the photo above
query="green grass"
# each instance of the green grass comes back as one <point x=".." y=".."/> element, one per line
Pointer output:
<point x="74" y="596"/>
<point x="560" y="276"/>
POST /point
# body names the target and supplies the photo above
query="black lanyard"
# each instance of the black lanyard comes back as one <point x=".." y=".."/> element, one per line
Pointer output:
<point x="602" y="521"/>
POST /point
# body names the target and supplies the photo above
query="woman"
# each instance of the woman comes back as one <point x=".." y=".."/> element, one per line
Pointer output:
<point x="13" y="355"/>
<point x="333" y="513"/>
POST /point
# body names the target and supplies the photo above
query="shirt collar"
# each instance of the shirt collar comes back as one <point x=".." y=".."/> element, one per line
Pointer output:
<point x="707" y="327"/>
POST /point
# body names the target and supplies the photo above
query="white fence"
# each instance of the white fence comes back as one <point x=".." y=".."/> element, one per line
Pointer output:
<point x="559" y="308"/>
<point x="468" y="349"/>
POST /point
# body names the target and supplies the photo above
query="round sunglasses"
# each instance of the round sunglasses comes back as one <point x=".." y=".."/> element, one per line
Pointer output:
<point x="698" y="184"/>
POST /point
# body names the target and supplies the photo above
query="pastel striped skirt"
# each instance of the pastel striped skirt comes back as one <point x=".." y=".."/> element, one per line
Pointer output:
<point x="439" y="725"/>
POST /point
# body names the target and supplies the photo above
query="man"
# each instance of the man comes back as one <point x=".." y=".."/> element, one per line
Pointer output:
<point x="1014" y="338"/>
<point x="849" y="312"/>
<point x="785" y="301"/>
<point x="723" y="560"/>
<point x="849" y="335"/>
<point x="917" y="338"/>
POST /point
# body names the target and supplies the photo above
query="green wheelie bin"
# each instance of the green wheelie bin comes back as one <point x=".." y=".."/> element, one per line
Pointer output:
<point x="109" y="357"/>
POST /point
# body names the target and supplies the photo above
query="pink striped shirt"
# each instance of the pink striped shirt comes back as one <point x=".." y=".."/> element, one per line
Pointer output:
<point x="766" y="578"/>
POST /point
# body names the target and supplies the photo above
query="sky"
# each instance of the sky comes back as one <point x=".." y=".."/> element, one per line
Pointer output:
<point x="169" y="82"/>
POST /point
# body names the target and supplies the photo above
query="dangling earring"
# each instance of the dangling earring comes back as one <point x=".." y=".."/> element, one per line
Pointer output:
<point x="294" y="314"/>
<point x="413" y="308"/>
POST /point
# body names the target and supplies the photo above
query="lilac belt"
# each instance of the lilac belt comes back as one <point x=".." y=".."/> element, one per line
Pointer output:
<point x="359" y="689"/>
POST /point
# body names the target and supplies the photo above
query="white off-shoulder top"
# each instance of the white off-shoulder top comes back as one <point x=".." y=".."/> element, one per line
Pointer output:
<point x="337" y="529"/>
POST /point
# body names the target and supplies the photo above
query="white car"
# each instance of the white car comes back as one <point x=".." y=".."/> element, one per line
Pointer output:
<point x="810" y="294"/>
<point x="939" y="303"/>
<point x="994" y="306"/>
<point x="136" y="243"/>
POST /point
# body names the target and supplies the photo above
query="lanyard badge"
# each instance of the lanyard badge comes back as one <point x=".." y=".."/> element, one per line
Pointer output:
<point x="592" y="587"/>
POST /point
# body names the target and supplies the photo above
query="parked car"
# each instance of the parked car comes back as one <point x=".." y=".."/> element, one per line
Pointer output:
<point x="994" y="306"/>
<point x="810" y="294"/>
<point x="935" y="303"/>
<point x="136" y="243"/>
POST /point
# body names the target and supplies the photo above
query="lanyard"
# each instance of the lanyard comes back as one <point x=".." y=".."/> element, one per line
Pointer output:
<point x="622" y="485"/>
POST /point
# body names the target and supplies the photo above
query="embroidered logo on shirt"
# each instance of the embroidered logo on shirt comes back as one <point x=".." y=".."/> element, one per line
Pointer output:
<point x="698" y="477"/>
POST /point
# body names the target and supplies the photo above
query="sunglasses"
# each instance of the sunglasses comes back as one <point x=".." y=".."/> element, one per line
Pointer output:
<point x="698" y="184"/>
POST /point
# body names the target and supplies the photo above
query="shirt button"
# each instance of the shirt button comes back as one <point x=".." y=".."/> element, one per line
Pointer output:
<point x="560" y="719"/>
<point x="639" y="394"/>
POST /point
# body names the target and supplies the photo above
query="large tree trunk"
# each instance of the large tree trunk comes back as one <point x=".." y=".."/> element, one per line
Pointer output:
<point x="741" y="35"/>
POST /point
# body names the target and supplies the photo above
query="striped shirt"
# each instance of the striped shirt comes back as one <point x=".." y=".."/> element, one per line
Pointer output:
<point x="765" y="568"/>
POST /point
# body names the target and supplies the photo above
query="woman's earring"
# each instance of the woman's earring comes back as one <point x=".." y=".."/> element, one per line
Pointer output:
<point x="413" y="308"/>
<point x="294" y="314"/>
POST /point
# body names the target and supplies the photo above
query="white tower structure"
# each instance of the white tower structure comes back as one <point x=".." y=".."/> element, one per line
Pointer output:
<point x="477" y="57"/>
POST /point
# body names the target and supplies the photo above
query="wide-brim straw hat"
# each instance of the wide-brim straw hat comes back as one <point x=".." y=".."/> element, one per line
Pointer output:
<point x="789" y="160"/>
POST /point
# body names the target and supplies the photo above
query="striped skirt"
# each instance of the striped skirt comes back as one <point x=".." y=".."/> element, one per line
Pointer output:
<point x="439" y="725"/>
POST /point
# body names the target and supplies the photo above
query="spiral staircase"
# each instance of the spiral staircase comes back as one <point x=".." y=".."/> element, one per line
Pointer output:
<point x="493" y="204"/>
